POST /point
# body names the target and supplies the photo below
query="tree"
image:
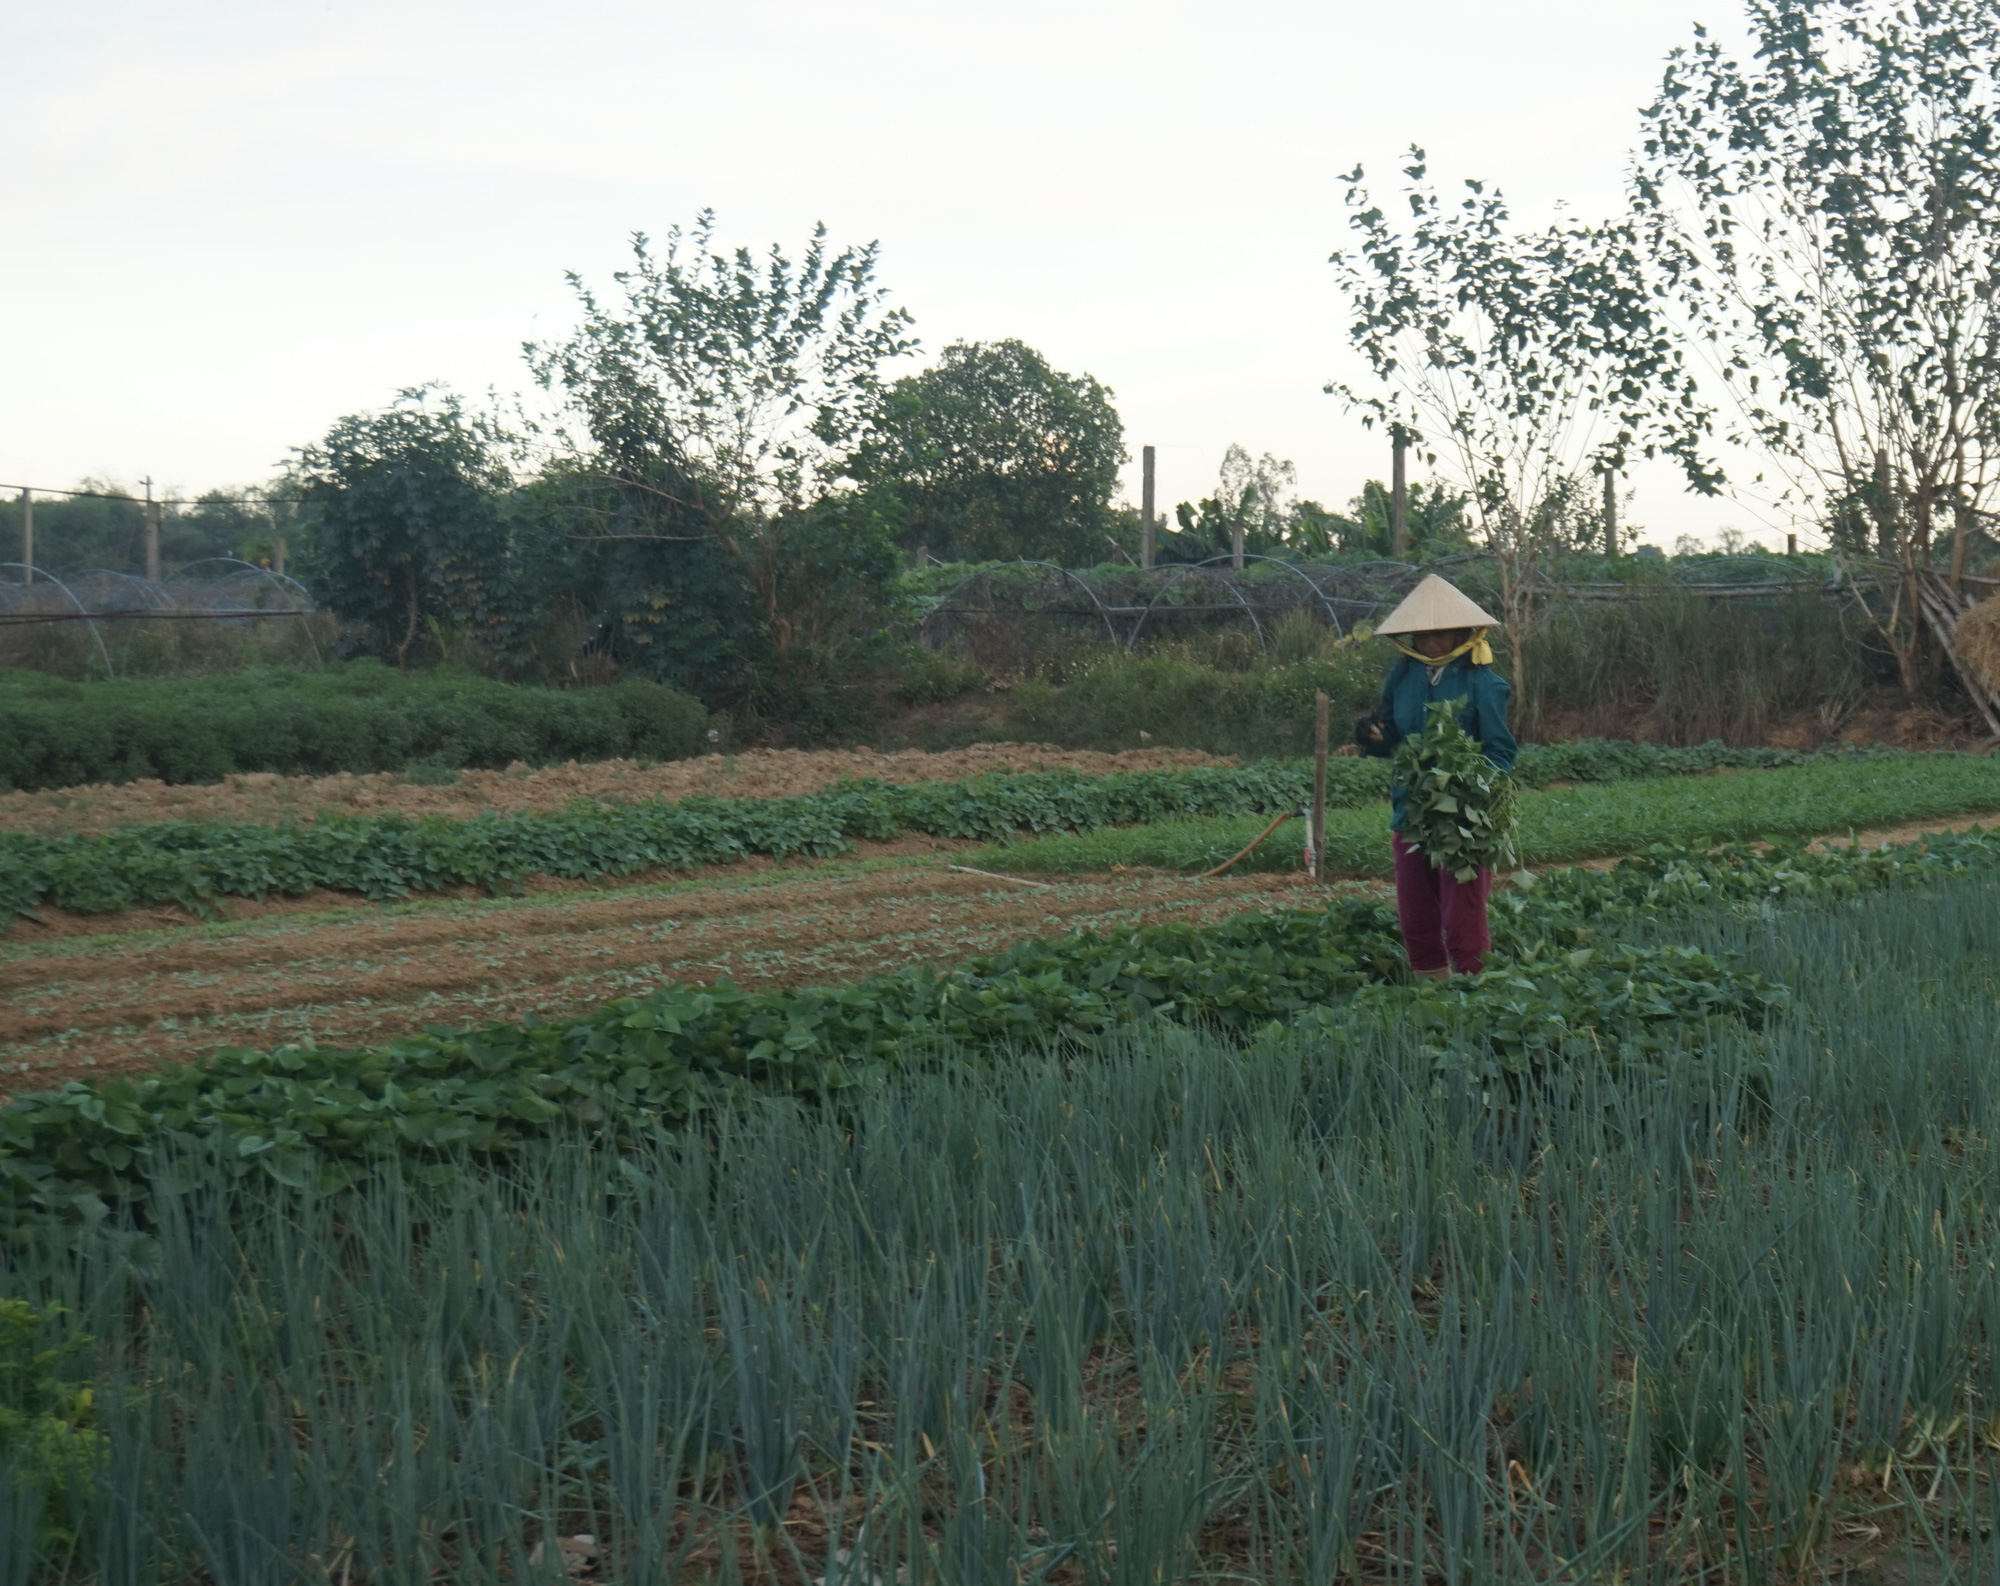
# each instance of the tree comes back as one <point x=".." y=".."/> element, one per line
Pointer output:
<point x="245" y="522"/>
<point x="706" y="414"/>
<point x="1527" y="358"/>
<point x="1260" y="493"/>
<point x="1252" y="510"/>
<point x="724" y="384"/>
<point x="994" y="455"/>
<point x="402" y="518"/>
<point x="102" y="525"/>
<point x="1832" y="212"/>
<point x="1434" y="522"/>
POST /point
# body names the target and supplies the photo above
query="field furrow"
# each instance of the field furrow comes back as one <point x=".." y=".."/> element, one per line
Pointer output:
<point x="79" y="1006"/>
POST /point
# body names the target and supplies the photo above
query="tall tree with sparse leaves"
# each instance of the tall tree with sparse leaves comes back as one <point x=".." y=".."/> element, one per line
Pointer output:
<point x="741" y="377"/>
<point x="1523" y="359"/>
<point x="707" y="410"/>
<point x="1831" y="207"/>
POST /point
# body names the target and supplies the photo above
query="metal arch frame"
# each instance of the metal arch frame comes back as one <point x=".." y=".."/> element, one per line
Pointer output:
<point x="276" y="577"/>
<point x="1185" y="570"/>
<point x="1383" y="561"/>
<point x="281" y="580"/>
<point x="1358" y="572"/>
<point x="156" y="597"/>
<point x="89" y="621"/>
<point x="1110" y="632"/>
<point x="1173" y="575"/>
<point x="1300" y="573"/>
<point x="1761" y="561"/>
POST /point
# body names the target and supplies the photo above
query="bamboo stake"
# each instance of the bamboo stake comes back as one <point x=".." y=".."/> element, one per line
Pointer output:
<point x="1317" y="837"/>
<point x="1146" y="507"/>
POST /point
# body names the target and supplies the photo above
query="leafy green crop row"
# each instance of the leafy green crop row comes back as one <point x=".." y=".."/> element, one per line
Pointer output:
<point x="303" y="1114"/>
<point x="390" y="856"/>
<point x="1566" y="823"/>
<point x="356" y="717"/>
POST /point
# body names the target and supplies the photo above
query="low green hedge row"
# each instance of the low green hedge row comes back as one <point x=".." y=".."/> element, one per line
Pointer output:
<point x="360" y="716"/>
<point x="310" y="1115"/>
<point x="391" y="856"/>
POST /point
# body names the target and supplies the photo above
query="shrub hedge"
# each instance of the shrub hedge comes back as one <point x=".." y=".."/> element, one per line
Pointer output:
<point x="360" y="716"/>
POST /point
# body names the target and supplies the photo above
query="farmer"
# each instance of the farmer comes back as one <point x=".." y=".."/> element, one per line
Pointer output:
<point x="1442" y="635"/>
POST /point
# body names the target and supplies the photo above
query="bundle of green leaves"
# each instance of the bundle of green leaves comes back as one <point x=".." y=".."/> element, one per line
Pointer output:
<point x="1460" y="810"/>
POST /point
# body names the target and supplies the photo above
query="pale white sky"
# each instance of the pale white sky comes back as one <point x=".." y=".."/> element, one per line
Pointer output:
<point x="228" y="223"/>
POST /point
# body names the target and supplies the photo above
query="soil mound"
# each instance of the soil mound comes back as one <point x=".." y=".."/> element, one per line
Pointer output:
<point x="755" y="773"/>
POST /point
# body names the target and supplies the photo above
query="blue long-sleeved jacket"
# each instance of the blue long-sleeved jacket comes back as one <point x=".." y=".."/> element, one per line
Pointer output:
<point x="1482" y="713"/>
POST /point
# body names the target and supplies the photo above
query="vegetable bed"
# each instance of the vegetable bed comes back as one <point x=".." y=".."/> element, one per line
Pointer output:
<point x="1318" y="1306"/>
<point x="191" y="864"/>
<point x="1563" y="824"/>
<point x="357" y="716"/>
<point x="304" y="1115"/>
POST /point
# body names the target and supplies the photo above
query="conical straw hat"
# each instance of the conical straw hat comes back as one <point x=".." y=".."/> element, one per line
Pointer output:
<point x="1433" y="605"/>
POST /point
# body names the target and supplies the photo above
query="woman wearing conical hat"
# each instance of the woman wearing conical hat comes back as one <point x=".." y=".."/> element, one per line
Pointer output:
<point x="1442" y="636"/>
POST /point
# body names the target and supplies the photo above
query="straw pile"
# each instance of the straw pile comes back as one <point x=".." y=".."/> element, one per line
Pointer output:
<point x="1976" y="638"/>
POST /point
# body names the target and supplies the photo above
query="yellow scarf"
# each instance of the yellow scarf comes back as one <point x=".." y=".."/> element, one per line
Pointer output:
<point x="1476" y="646"/>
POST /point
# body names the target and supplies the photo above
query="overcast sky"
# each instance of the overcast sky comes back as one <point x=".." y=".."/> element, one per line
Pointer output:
<point x="228" y="223"/>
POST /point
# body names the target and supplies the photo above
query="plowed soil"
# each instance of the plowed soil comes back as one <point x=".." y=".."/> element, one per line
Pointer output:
<point x="96" y="995"/>
<point x="82" y="1006"/>
<point x="756" y="773"/>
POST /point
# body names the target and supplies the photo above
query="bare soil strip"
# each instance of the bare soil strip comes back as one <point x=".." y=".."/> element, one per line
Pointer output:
<point x="78" y="1007"/>
<point x="757" y="773"/>
<point x="138" y="993"/>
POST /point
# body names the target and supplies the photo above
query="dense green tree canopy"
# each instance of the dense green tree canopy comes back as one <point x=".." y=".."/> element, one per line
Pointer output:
<point x="995" y="455"/>
<point x="402" y="519"/>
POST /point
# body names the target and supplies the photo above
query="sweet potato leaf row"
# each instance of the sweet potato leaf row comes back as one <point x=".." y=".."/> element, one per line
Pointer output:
<point x="392" y="856"/>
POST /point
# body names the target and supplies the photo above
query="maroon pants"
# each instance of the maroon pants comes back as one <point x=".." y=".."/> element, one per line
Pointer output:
<point x="1444" y="920"/>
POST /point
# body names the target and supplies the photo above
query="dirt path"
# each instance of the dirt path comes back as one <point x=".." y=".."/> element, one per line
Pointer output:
<point x="757" y="773"/>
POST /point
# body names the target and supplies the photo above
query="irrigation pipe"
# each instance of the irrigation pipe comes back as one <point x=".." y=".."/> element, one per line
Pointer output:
<point x="994" y="876"/>
<point x="1289" y="815"/>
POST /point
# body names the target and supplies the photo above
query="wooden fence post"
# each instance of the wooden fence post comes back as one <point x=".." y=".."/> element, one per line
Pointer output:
<point x="1399" y="492"/>
<point x="1610" y="513"/>
<point x="1319" y="786"/>
<point x="1146" y="506"/>
<point x="152" y="534"/>
<point x="28" y="535"/>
